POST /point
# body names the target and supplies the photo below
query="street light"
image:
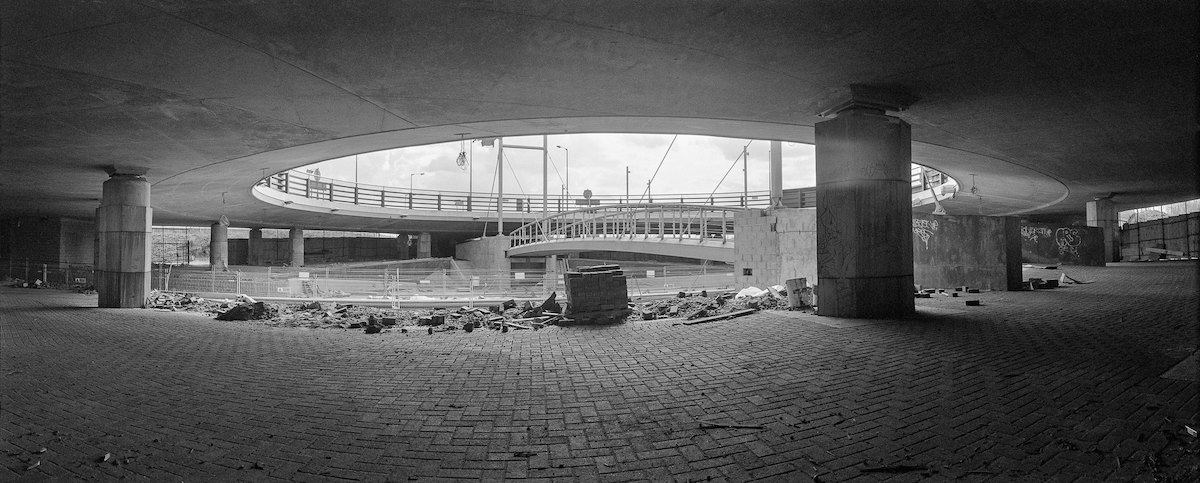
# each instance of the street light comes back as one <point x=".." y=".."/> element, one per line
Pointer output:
<point x="410" y="181"/>
<point x="568" y="181"/>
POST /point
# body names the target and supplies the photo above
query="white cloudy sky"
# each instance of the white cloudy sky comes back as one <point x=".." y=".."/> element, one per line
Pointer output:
<point x="695" y="164"/>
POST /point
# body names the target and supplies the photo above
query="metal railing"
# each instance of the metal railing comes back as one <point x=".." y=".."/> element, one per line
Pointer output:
<point x="316" y="187"/>
<point x="645" y="221"/>
<point x="54" y="273"/>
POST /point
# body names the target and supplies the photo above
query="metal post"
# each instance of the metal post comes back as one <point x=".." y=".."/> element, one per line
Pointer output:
<point x="545" y="176"/>
<point x="500" y="186"/>
<point x="745" y="178"/>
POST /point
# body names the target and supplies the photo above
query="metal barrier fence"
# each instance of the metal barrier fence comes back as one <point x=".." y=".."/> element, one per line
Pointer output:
<point x="387" y="284"/>
<point x="52" y="272"/>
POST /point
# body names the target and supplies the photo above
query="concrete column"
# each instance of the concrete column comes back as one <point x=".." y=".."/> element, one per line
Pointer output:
<point x="297" y="237"/>
<point x="424" y="245"/>
<point x="776" y="172"/>
<point x="1100" y="213"/>
<point x="254" y="247"/>
<point x="218" y="247"/>
<point x="864" y="215"/>
<point x="123" y="241"/>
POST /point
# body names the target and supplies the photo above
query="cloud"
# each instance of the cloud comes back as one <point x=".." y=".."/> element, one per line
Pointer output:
<point x="693" y="165"/>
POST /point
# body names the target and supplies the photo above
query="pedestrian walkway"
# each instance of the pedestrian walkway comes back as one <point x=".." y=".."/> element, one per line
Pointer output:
<point x="1060" y="384"/>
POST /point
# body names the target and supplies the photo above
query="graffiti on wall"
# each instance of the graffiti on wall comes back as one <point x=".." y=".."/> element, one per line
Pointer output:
<point x="1068" y="241"/>
<point x="924" y="229"/>
<point x="1034" y="233"/>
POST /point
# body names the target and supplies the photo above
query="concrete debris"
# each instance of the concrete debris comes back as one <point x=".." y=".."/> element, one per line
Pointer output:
<point x="750" y="292"/>
<point x="714" y="306"/>
<point x="19" y="283"/>
<point x="372" y="320"/>
<point x="694" y="306"/>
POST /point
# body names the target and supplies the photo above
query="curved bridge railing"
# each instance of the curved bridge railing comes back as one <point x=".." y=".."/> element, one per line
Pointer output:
<point x="678" y="223"/>
<point x="926" y="184"/>
<point x="316" y="187"/>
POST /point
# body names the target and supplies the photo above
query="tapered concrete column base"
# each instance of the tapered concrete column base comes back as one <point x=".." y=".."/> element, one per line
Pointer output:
<point x="864" y="216"/>
<point x="218" y="247"/>
<point x="123" y="230"/>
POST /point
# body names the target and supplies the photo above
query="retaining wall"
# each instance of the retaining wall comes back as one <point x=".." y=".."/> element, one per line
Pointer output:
<point x="1058" y="244"/>
<point x="1180" y="233"/>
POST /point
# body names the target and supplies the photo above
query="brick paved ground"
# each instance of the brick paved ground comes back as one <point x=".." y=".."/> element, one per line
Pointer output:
<point x="1054" y="385"/>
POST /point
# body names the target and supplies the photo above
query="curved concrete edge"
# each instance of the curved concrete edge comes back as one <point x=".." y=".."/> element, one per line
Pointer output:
<point x="186" y="197"/>
<point x="714" y="251"/>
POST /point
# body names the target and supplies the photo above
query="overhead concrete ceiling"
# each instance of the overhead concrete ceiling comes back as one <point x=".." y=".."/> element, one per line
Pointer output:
<point x="1047" y="104"/>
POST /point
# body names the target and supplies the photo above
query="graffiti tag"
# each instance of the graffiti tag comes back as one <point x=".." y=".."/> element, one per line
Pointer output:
<point x="1033" y="233"/>
<point x="1068" y="240"/>
<point x="924" y="229"/>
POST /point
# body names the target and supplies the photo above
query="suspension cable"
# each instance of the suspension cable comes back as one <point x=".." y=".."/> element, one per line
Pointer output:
<point x="660" y="163"/>
<point x="730" y="170"/>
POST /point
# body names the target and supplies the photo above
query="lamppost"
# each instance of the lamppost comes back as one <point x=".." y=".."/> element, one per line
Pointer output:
<point x="410" y="181"/>
<point x="568" y="182"/>
<point x="627" y="185"/>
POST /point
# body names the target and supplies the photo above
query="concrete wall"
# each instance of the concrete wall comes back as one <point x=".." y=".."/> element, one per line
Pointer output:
<point x="775" y="245"/>
<point x="948" y="251"/>
<point x="1179" y="233"/>
<point x="487" y="253"/>
<point x="277" y="251"/>
<point x="78" y="241"/>
<point x="1058" y="244"/>
<point x="48" y="240"/>
<point x="977" y="251"/>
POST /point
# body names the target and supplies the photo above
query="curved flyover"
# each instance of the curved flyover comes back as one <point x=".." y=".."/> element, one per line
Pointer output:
<point x="703" y="232"/>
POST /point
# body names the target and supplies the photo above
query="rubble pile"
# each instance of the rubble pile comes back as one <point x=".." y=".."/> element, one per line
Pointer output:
<point x="598" y="296"/>
<point x="318" y="315"/>
<point x="691" y="306"/>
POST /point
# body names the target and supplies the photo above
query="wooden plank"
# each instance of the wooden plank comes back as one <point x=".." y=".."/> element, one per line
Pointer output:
<point x="730" y="315"/>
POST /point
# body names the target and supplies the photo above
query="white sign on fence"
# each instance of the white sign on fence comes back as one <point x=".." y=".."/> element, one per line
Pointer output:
<point x="519" y="275"/>
<point x="649" y="273"/>
<point x="302" y="274"/>
<point x="475" y="281"/>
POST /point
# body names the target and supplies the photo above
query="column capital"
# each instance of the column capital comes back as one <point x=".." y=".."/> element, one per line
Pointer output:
<point x="130" y="170"/>
<point x="880" y="98"/>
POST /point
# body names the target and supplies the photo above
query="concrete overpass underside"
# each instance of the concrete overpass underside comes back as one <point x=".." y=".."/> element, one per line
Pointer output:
<point x="1037" y="108"/>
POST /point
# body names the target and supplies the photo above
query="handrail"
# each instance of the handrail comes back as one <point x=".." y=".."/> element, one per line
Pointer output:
<point x="313" y="186"/>
<point x="679" y="221"/>
<point x="319" y="188"/>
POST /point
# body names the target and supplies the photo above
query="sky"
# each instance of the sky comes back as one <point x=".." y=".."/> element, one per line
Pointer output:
<point x="693" y="164"/>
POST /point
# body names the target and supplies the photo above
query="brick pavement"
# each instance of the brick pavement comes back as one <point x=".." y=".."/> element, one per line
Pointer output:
<point x="1053" y="385"/>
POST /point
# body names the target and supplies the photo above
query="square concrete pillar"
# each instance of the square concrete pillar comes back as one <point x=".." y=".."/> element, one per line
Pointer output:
<point x="864" y="215"/>
<point x="424" y="245"/>
<point x="254" y="247"/>
<point x="1101" y="214"/>
<point x="297" y="238"/>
